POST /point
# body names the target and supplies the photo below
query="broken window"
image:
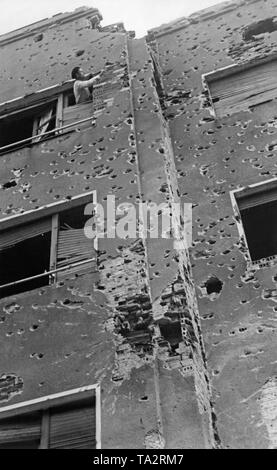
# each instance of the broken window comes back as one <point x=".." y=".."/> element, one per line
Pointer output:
<point x="27" y="125"/>
<point x="242" y="87"/>
<point x="258" y="206"/>
<point x="65" y="421"/>
<point x="37" y="253"/>
<point x="17" y="127"/>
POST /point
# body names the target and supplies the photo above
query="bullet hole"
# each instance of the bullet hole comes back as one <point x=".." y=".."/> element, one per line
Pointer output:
<point x="10" y="184"/>
<point x="11" y="308"/>
<point x="208" y="316"/>
<point x="72" y="304"/>
<point x="34" y="328"/>
<point x="213" y="285"/>
<point x="38" y="37"/>
<point x="37" y="356"/>
<point x="145" y="398"/>
<point x="242" y="330"/>
<point x="80" y="53"/>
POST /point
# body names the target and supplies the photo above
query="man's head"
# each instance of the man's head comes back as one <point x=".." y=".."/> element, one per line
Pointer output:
<point x="77" y="74"/>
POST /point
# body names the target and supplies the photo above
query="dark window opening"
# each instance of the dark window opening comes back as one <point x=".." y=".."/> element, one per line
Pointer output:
<point x="73" y="218"/>
<point x="23" y="125"/>
<point x="260" y="227"/>
<point x="15" y="129"/>
<point x="44" y="249"/>
<point x="25" y="259"/>
<point x="69" y="99"/>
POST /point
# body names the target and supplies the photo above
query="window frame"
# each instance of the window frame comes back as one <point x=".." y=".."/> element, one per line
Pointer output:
<point x="263" y="262"/>
<point x="23" y="104"/>
<point x="51" y="401"/>
<point x="230" y="70"/>
<point x="53" y="211"/>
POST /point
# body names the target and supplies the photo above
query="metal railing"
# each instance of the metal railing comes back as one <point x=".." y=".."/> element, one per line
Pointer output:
<point x="48" y="273"/>
<point x="48" y="133"/>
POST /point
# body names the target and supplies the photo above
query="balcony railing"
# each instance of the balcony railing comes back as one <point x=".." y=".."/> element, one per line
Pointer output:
<point x="33" y="139"/>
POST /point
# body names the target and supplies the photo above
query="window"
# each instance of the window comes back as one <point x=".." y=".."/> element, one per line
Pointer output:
<point x="68" y="420"/>
<point x="31" y="120"/>
<point x="36" y="253"/>
<point x="242" y="87"/>
<point x="258" y="208"/>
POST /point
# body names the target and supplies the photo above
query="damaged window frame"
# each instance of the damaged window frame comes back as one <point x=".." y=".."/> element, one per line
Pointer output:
<point x="237" y="196"/>
<point x="54" y="212"/>
<point x="44" y="405"/>
<point x="60" y="96"/>
<point x="228" y="72"/>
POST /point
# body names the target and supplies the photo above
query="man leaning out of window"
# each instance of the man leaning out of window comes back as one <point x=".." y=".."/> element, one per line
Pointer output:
<point x="83" y="85"/>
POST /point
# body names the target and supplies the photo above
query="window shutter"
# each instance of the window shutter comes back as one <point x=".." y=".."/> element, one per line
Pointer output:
<point x="239" y="91"/>
<point x="43" y="124"/>
<point x="72" y="429"/>
<point x="257" y="196"/>
<point x="22" y="431"/>
<point x="78" y="113"/>
<point x="10" y="237"/>
<point x="74" y="247"/>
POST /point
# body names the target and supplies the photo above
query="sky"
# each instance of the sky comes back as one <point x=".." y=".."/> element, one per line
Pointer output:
<point x="138" y="15"/>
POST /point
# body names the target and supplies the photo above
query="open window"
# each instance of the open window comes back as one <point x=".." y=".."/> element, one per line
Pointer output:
<point x="43" y="115"/>
<point x="242" y="87"/>
<point x="258" y="208"/>
<point x="35" y="121"/>
<point x="68" y="420"/>
<point x="36" y="253"/>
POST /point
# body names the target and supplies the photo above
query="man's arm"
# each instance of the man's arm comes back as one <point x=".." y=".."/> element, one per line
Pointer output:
<point x="88" y="83"/>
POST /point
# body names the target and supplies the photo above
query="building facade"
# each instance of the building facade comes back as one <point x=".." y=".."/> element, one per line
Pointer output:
<point x="168" y="346"/>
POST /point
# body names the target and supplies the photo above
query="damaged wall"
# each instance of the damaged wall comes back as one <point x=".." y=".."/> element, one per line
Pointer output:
<point x="181" y="343"/>
<point x="110" y="325"/>
<point x="213" y="157"/>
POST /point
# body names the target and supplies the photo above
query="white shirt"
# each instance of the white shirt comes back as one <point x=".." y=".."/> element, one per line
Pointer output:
<point x="81" y="90"/>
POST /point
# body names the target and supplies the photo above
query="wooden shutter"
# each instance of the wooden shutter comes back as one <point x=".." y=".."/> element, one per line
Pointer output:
<point x="67" y="423"/>
<point x="239" y="91"/>
<point x="42" y="124"/>
<point x="74" y="247"/>
<point x="10" y="237"/>
<point x="77" y="113"/>
<point x="72" y="429"/>
<point x="253" y="197"/>
<point x="21" y="431"/>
